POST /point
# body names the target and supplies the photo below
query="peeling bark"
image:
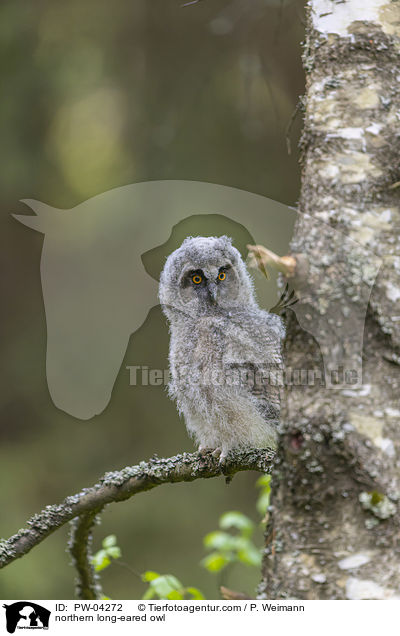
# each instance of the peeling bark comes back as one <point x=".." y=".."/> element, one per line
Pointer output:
<point x="334" y="529"/>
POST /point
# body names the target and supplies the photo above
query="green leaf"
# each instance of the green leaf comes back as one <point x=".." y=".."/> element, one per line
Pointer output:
<point x="100" y="560"/>
<point x="264" y="481"/>
<point x="250" y="555"/>
<point x="215" y="562"/>
<point x="161" y="587"/>
<point x="114" y="552"/>
<point x="175" y="595"/>
<point x="173" y="581"/>
<point x="195" y="593"/>
<point x="99" y="556"/>
<point x="263" y="503"/>
<point x="102" y="565"/>
<point x="165" y="584"/>
<point x="219" y="540"/>
<point x="109" y="541"/>
<point x="149" y="575"/>
<point x="149" y="593"/>
<point x="237" y="520"/>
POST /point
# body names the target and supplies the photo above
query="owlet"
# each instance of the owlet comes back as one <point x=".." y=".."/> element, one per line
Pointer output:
<point x="225" y="351"/>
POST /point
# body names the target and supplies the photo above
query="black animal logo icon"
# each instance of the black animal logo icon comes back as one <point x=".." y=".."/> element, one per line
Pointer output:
<point x="26" y="614"/>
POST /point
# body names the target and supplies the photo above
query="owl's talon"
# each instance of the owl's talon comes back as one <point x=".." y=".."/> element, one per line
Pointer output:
<point x="217" y="453"/>
<point x="223" y="457"/>
<point x="203" y="450"/>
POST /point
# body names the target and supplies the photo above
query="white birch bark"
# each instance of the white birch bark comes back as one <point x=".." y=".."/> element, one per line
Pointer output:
<point x="334" y="528"/>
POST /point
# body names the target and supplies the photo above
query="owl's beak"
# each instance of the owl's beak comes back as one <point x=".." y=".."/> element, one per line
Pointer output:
<point x="212" y="292"/>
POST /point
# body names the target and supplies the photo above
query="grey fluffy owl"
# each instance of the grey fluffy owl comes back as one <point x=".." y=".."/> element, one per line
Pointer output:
<point x="224" y="349"/>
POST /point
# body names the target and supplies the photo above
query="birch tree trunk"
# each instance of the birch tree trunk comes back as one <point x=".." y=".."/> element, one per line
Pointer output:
<point x="334" y="525"/>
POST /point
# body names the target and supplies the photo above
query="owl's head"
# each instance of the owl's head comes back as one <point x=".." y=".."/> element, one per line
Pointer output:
<point x="204" y="274"/>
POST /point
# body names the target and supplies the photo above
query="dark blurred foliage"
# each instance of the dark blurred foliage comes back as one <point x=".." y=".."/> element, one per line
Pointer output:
<point x="96" y="95"/>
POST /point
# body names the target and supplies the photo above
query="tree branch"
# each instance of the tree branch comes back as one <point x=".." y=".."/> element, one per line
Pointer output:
<point x="80" y="548"/>
<point x="120" y="485"/>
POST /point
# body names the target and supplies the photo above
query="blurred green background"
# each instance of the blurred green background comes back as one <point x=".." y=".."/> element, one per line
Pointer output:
<point x="94" y="96"/>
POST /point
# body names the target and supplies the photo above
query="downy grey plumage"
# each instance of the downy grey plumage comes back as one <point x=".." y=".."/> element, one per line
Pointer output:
<point x="224" y="349"/>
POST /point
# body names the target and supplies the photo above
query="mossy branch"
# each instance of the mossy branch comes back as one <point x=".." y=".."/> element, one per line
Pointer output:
<point x="80" y="548"/>
<point x="119" y="486"/>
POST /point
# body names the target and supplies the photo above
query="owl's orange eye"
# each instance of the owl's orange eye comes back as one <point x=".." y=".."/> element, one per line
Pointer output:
<point x="221" y="276"/>
<point x="197" y="279"/>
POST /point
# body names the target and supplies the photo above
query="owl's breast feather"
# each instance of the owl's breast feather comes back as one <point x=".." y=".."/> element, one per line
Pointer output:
<point x="197" y="347"/>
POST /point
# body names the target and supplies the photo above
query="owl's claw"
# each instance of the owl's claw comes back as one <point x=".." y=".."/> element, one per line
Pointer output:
<point x="203" y="450"/>
<point x="222" y="456"/>
<point x="216" y="453"/>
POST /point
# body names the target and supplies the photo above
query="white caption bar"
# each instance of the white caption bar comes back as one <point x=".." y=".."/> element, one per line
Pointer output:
<point x="166" y="617"/>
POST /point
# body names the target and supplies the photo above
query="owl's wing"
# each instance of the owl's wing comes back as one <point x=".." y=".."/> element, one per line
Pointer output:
<point x="253" y="352"/>
<point x="260" y="386"/>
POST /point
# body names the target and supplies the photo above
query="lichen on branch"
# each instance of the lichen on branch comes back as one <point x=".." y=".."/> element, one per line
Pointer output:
<point x="122" y="484"/>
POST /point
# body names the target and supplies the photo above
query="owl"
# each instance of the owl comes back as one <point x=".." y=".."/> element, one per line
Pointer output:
<point x="225" y="351"/>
